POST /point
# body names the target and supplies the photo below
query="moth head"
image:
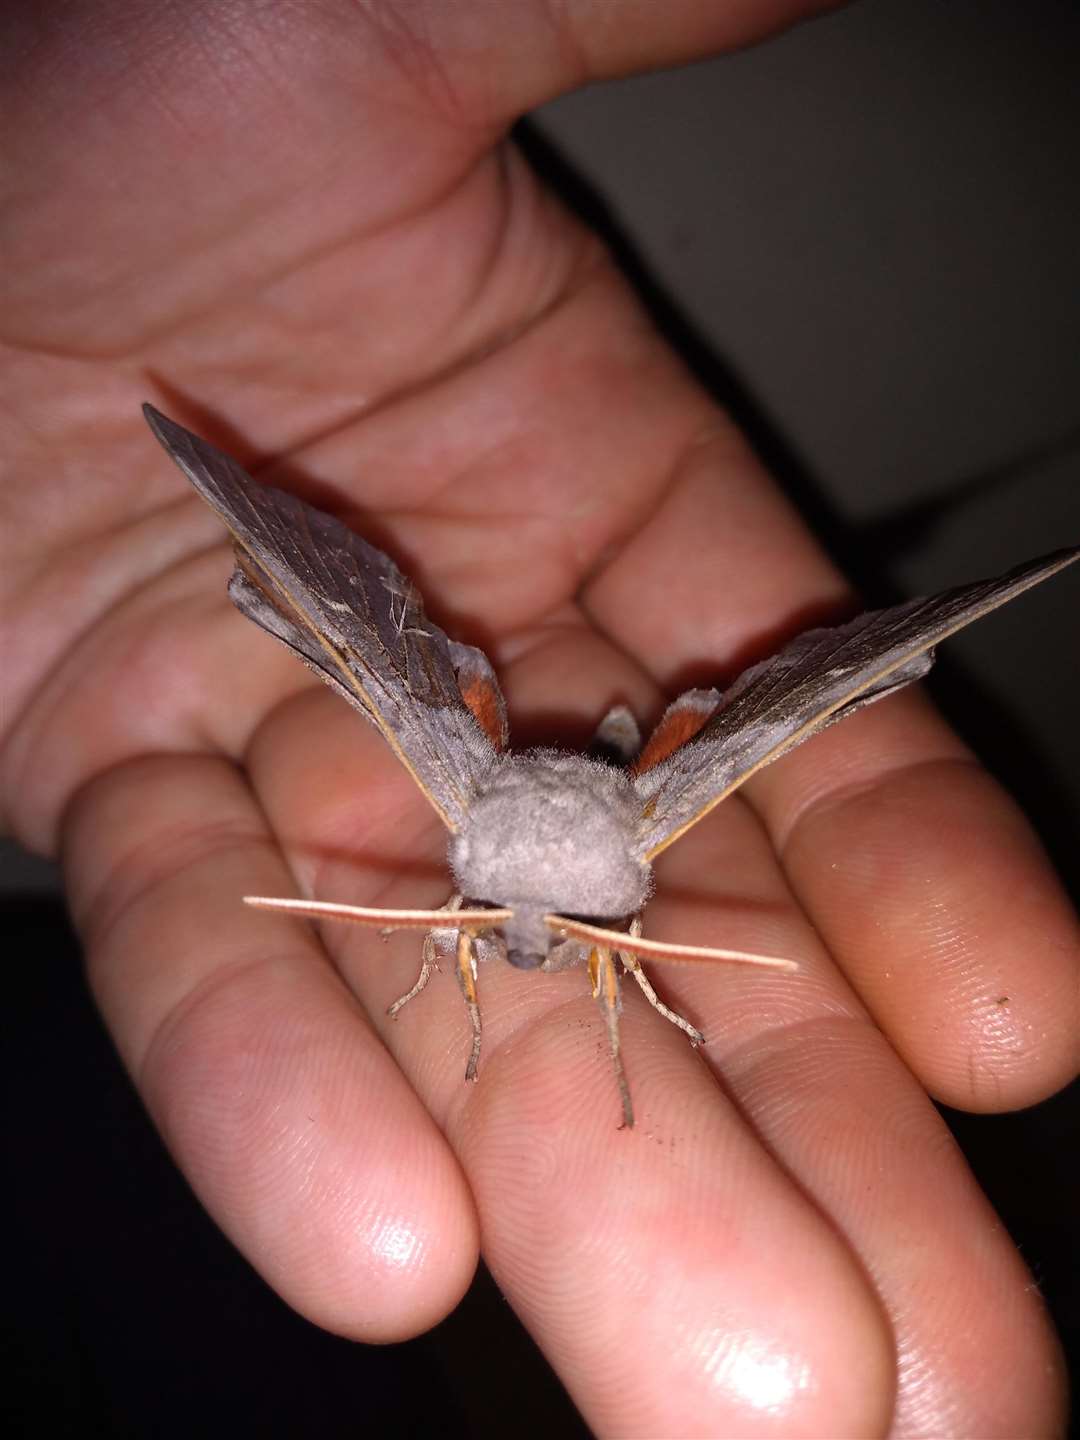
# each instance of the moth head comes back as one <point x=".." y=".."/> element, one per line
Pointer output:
<point x="532" y="939"/>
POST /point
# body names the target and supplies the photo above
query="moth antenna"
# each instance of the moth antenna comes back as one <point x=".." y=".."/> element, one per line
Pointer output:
<point x="384" y="919"/>
<point x="659" y="949"/>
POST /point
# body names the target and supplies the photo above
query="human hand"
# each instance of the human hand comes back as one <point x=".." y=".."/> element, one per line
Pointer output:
<point x="305" y="237"/>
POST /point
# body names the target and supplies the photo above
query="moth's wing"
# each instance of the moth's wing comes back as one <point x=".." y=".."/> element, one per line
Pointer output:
<point x="350" y="614"/>
<point x="819" y="678"/>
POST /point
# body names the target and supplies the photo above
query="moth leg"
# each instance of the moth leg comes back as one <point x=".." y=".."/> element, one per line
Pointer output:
<point x="604" y="978"/>
<point x="466" y="973"/>
<point x="633" y="964"/>
<point x="429" y="963"/>
<point x="429" y="960"/>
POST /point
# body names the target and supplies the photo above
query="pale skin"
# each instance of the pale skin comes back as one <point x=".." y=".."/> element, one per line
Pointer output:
<point x="302" y="233"/>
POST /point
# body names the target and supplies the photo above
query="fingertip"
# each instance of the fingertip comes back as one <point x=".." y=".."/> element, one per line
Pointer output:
<point x="315" y="1156"/>
<point x="935" y="896"/>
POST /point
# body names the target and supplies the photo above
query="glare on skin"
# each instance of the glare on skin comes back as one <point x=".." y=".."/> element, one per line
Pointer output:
<point x="395" y="1245"/>
<point x="762" y="1376"/>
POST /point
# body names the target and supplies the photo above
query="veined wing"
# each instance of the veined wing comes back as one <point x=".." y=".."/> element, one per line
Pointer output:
<point x="819" y="678"/>
<point x="350" y="614"/>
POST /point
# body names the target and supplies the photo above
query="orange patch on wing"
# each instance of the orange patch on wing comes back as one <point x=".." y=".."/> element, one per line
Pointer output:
<point x="484" y="702"/>
<point x="681" y="721"/>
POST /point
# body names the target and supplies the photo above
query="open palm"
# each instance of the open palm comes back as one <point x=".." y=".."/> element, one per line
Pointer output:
<point x="301" y="232"/>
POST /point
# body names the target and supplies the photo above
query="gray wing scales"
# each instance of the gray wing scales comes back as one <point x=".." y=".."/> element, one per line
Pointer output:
<point x="816" y="680"/>
<point x="350" y="614"/>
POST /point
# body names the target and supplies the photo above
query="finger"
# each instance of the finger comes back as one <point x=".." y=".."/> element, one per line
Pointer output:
<point x="938" y="901"/>
<point x="542" y="52"/>
<point x="290" y="1120"/>
<point x="833" y="1102"/>
<point x="615" y="40"/>
<point x="920" y="873"/>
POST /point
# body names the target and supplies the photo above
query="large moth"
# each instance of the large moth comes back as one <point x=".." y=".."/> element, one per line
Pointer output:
<point x="551" y="852"/>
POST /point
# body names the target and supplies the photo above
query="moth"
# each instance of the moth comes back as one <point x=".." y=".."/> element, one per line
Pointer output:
<point x="551" y="852"/>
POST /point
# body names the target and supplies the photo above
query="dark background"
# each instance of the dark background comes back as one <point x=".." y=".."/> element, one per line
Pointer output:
<point x="864" y="238"/>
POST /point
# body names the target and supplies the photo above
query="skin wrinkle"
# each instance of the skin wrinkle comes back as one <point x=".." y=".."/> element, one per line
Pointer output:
<point x="824" y="803"/>
<point x="505" y="335"/>
<point x="51" y="693"/>
<point x="135" y="349"/>
<point x="98" y="914"/>
<point x="165" y="510"/>
<point x="529" y="641"/>
<point x="576" y="565"/>
<point x="101" y="424"/>
<point x="618" y="544"/>
<point x="412" y="54"/>
<point x="558" y="303"/>
<point x="206" y="995"/>
<point x="259" y="62"/>
<point x="239" y="294"/>
<point x="679" y="474"/>
<point x="485" y="268"/>
<point x="973" y="1072"/>
<point x="205" y="991"/>
<point x="585" y="267"/>
<point x="919" y="1413"/>
<point x="248" y="763"/>
<point x="103" y="912"/>
<point x="578" y="281"/>
<point x="425" y="823"/>
<point x="514" y="1023"/>
<point x="780" y="1115"/>
<point x="574" y="69"/>
<point x="582" y="271"/>
<point x="984" y="1080"/>
<point x="112" y="607"/>
<point x="786" y="1036"/>
<point x="499" y="521"/>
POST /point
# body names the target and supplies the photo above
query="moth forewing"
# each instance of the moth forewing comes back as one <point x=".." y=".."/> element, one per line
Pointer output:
<point x="348" y="611"/>
<point x="819" y="678"/>
<point x="543" y="840"/>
